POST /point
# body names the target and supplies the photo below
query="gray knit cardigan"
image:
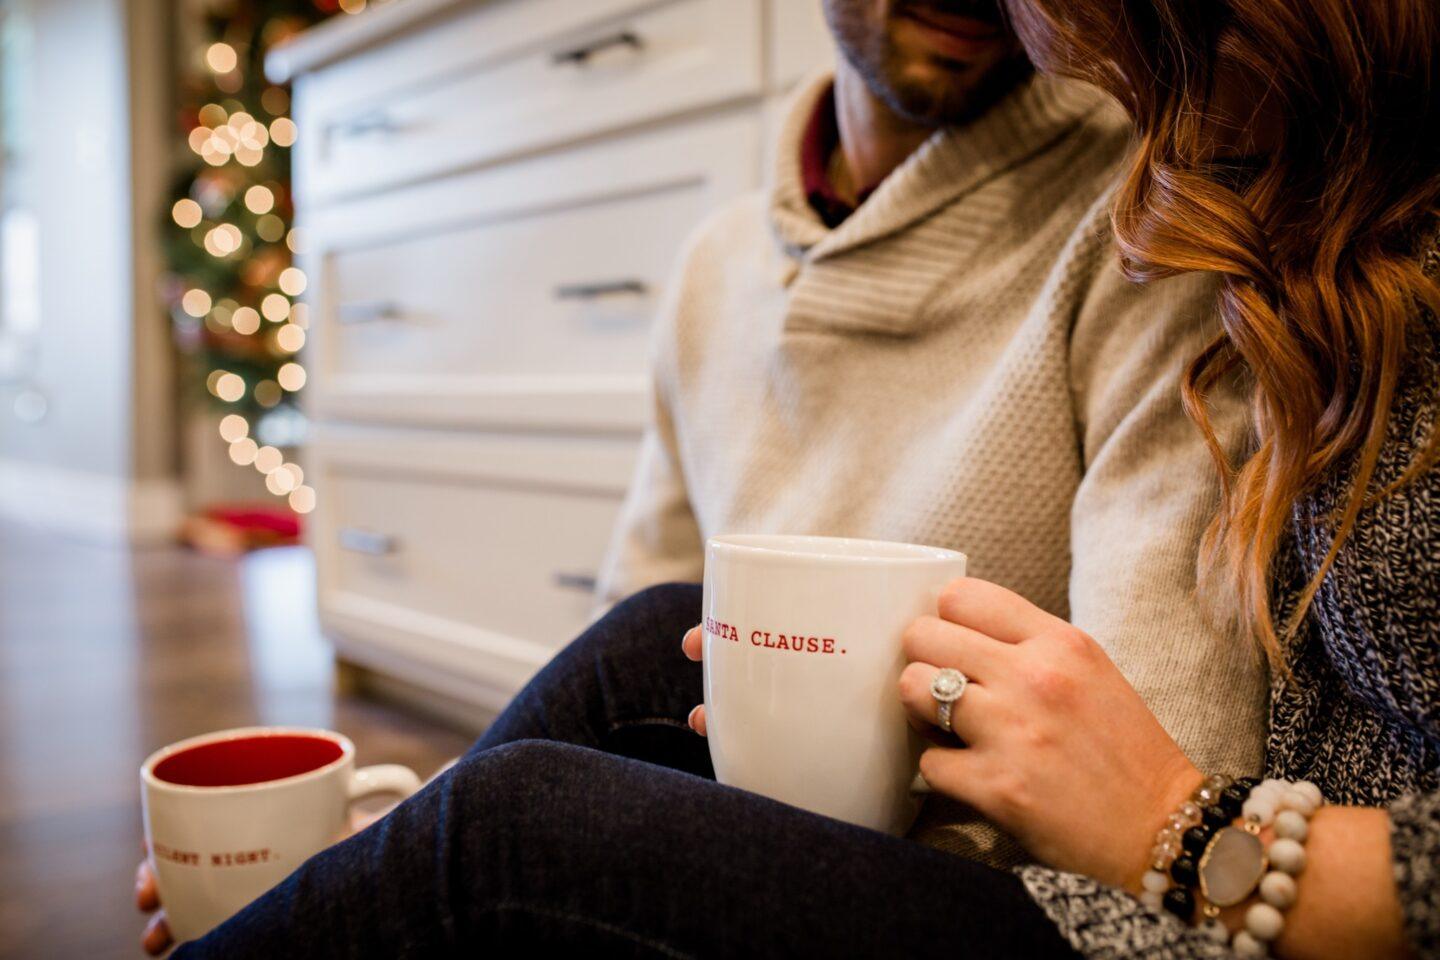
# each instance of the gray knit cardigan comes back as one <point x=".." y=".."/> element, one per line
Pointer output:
<point x="1359" y="712"/>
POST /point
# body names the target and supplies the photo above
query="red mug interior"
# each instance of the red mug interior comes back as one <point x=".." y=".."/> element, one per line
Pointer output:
<point x="248" y="760"/>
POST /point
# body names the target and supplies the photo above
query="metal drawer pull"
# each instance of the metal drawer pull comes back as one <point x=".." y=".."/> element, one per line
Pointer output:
<point x="358" y="540"/>
<point x="575" y="581"/>
<point x="370" y="311"/>
<point x="592" y="291"/>
<point x="376" y="121"/>
<point x="579" y="56"/>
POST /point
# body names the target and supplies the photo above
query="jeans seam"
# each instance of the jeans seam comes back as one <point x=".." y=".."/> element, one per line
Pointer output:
<point x="648" y="721"/>
<point x="539" y="911"/>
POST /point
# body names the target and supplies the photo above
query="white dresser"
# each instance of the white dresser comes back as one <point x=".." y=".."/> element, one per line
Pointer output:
<point x="492" y="194"/>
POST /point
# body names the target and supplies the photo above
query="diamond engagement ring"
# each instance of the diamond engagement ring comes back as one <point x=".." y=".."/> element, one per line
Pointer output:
<point x="948" y="687"/>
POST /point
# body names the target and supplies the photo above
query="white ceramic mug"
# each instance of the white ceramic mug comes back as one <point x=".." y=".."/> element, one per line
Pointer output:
<point x="230" y="814"/>
<point x="802" y="661"/>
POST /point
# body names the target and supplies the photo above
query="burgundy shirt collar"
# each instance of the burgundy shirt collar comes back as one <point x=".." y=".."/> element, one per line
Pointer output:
<point x="822" y="137"/>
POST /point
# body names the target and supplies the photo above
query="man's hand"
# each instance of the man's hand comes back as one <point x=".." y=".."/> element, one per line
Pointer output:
<point x="147" y="897"/>
<point x="694" y="647"/>
<point x="157" y="937"/>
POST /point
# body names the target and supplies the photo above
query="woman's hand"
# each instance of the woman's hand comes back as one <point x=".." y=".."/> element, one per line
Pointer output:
<point x="1059" y="749"/>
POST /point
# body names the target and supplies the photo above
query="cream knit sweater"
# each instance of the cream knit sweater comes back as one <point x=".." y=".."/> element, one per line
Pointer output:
<point x="959" y="363"/>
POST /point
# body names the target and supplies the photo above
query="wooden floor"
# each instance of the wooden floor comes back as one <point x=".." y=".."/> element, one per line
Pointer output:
<point x="107" y="654"/>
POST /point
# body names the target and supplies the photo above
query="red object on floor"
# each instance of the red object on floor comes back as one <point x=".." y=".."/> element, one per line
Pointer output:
<point x="239" y="527"/>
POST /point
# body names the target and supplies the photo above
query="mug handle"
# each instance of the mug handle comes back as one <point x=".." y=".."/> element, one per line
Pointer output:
<point x="382" y="778"/>
<point x="918" y="785"/>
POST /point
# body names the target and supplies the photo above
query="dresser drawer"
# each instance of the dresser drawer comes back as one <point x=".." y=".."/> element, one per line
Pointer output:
<point x="529" y="85"/>
<point x="476" y="554"/>
<point x="518" y="296"/>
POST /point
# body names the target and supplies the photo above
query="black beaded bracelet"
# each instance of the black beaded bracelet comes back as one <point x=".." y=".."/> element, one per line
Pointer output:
<point x="1174" y="870"/>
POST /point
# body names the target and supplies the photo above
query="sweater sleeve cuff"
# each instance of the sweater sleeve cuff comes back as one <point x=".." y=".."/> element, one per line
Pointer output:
<point x="1415" y="843"/>
<point x="1104" y="923"/>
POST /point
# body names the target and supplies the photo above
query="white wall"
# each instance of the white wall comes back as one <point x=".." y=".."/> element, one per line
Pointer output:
<point x="100" y="459"/>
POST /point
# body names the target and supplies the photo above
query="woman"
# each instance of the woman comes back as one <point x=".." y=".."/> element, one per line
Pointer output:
<point x="1292" y="147"/>
<point x="1289" y="145"/>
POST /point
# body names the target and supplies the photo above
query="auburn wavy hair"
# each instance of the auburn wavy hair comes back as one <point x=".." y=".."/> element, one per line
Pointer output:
<point x="1313" y="233"/>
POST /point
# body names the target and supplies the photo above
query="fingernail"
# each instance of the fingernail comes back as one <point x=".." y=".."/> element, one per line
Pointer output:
<point x="683" y="641"/>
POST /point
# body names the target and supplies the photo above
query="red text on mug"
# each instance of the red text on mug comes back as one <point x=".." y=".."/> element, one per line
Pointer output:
<point x="774" y="640"/>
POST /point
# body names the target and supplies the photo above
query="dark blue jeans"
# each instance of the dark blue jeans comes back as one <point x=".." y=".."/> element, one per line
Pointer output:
<point x="587" y="817"/>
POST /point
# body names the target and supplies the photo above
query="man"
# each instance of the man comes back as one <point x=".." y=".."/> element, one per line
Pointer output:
<point x="918" y="333"/>
<point x="921" y="332"/>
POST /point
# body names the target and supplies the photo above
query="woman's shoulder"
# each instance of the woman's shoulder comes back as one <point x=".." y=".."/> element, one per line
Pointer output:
<point x="1415" y="412"/>
<point x="1376" y="613"/>
<point x="1394" y="547"/>
<point x="1388" y="566"/>
<point x="1401" y="525"/>
<point x="1412" y="417"/>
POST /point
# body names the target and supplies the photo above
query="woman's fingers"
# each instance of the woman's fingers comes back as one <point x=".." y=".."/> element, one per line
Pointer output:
<point x="157" y="935"/>
<point x="693" y="643"/>
<point x="994" y="611"/>
<point x="147" y="896"/>
<point x="921" y="706"/>
<point x="697" y="720"/>
<point x="946" y="644"/>
<point x="954" y="772"/>
<point x="931" y="643"/>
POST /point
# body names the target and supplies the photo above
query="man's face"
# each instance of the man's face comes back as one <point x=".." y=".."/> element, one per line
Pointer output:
<point x="934" y="62"/>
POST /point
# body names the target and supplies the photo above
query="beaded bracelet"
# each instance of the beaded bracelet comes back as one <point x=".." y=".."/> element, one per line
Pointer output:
<point x="1185" y="836"/>
<point x="1232" y="863"/>
<point x="1288" y="806"/>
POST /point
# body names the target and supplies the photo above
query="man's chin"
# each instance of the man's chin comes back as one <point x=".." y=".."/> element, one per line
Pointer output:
<point x="940" y="92"/>
<point x="936" y="93"/>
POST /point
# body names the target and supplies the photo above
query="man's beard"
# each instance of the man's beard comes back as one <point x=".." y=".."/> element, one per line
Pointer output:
<point x="925" y="101"/>
<point x="945" y="105"/>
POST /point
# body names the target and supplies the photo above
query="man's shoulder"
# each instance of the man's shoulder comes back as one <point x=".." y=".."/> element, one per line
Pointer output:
<point x="727" y="259"/>
<point x="1108" y="119"/>
<point x="740" y="224"/>
<point x="1081" y="169"/>
<point x="733" y="244"/>
<point x="1103" y="127"/>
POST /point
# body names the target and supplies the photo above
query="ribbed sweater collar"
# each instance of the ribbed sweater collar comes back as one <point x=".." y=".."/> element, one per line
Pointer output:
<point x="953" y="162"/>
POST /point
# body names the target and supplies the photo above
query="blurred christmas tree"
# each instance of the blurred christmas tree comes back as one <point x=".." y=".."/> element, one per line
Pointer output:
<point x="229" y="237"/>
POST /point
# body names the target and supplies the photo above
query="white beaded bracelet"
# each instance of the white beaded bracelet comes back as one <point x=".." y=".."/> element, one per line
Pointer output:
<point x="1288" y="806"/>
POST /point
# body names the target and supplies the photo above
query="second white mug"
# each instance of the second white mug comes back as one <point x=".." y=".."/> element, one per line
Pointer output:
<point x="230" y="814"/>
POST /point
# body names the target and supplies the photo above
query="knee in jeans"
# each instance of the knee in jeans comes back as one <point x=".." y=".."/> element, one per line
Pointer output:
<point x="505" y="761"/>
<point x="493" y="775"/>
<point x="665" y="595"/>
<point x="656" y="615"/>
<point x="501" y="786"/>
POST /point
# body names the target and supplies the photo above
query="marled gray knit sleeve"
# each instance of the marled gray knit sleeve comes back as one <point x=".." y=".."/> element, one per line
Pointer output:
<point x="1415" y="842"/>
<point x="1105" y="923"/>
